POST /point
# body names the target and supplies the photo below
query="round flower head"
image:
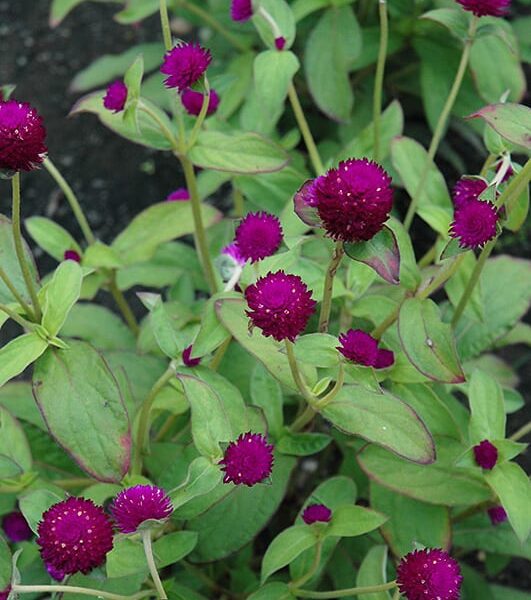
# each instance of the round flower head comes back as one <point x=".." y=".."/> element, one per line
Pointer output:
<point x="280" y="43"/>
<point x="280" y="305"/>
<point x="474" y="224"/>
<point x="360" y="347"/>
<point x="193" y="101"/>
<point x="22" y="136"/>
<point x="16" y="527"/>
<point x="54" y="573"/>
<point x="241" y="10"/>
<point x="486" y="8"/>
<point x="116" y="96"/>
<point x="467" y="189"/>
<point x="486" y="455"/>
<point x="258" y="235"/>
<point x="184" y="65"/>
<point x="75" y="535"/>
<point x="179" y="194"/>
<point x="354" y="200"/>
<point x="187" y="360"/>
<point x="429" y="574"/>
<point x="248" y="460"/>
<point x="72" y="255"/>
<point x="140" y="503"/>
<point x="316" y="513"/>
<point x="497" y="515"/>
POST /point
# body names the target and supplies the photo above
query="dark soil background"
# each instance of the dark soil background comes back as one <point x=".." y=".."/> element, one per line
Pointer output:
<point x="115" y="179"/>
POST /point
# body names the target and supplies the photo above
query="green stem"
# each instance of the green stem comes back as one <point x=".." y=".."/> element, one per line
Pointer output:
<point x="200" y="235"/>
<point x="72" y="200"/>
<point x="219" y="354"/>
<point x="317" y="164"/>
<point x="165" y="24"/>
<point x="303" y="419"/>
<point x="123" y="305"/>
<point x="70" y="589"/>
<point x="201" y="117"/>
<point x="162" y="126"/>
<point x="214" y="23"/>
<point x="441" y="123"/>
<point x="16" y="317"/>
<point x="10" y="286"/>
<point x="142" y="438"/>
<point x="355" y="591"/>
<point x="19" y="248"/>
<point x="522" y="432"/>
<point x="238" y="199"/>
<point x="312" y="570"/>
<point x="148" y="551"/>
<point x="379" y="77"/>
<point x="443" y="274"/>
<point x="73" y="482"/>
<point x="326" y="304"/>
<point x="325" y="400"/>
<point x="308" y="414"/>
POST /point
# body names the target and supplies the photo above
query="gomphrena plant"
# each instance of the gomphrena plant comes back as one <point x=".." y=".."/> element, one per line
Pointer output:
<point x="301" y="407"/>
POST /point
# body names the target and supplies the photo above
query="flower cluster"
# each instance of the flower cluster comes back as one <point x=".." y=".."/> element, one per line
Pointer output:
<point x="136" y="505"/>
<point x="475" y="223"/>
<point x="258" y="235"/>
<point x="486" y="8"/>
<point x="193" y="102"/>
<point x="486" y="455"/>
<point x="178" y="195"/>
<point x="360" y="347"/>
<point x="248" y="460"/>
<point x="316" y="513"/>
<point x="115" y="97"/>
<point x="184" y="65"/>
<point x="241" y="10"/>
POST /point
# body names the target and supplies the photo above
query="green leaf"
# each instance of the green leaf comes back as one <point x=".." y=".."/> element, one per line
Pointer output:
<point x="17" y="398"/>
<point x="133" y="78"/>
<point x="511" y="121"/>
<point x="202" y="477"/>
<point x="60" y="8"/>
<point x="13" y="442"/>
<point x="454" y="20"/>
<point x="510" y="482"/>
<point x="434" y="204"/>
<point x="171" y="548"/>
<point x="383" y="419"/>
<point x="286" y="547"/>
<point x="373" y="571"/>
<point x="302" y="444"/>
<point x="5" y="564"/>
<point x="19" y="353"/>
<point x="456" y="285"/>
<point x="211" y="334"/>
<point x="317" y="349"/>
<point x="275" y="589"/>
<point x="33" y="504"/>
<point x="84" y="410"/>
<point x="157" y="224"/>
<point x="485" y="397"/>
<point x="267" y="394"/>
<point x="411" y="521"/>
<point x="171" y="340"/>
<point x="237" y="153"/>
<point x="52" y="238"/>
<point x="100" y="255"/>
<point x="428" y="342"/>
<point x="380" y="253"/>
<point x="267" y="351"/>
<point x="281" y="13"/>
<point x="60" y="295"/>
<point x="351" y="520"/>
<point x="332" y="46"/>
<point x="126" y="558"/>
<point x="435" y="484"/>
<point x="137" y="10"/>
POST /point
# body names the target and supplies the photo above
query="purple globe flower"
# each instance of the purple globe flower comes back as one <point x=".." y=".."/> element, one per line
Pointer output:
<point x="354" y="200"/>
<point x="486" y="455"/>
<point x="280" y="43"/>
<point x="184" y="65"/>
<point x="187" y="357"/>
<point x="75" y="535"/>
<point x="116" y="96"/>
<point x="361" y="348"/>
<point x="180" y="194"/>
<point x="140" y="503"/>
<point x="467" y="189"/>
<point x="22" y="137"/>
<point x="241" y="10"/>
<point x="72" y="255"/>
<point x="486" y="8"/>
<point x="54" y="573"/>
<point x="193" y="101"/>
<point x="474" y="223"/>
<point x="429" y="574"/>
<point x="316" y="513"/>
<point x="258" y="235"/>
<point x="280" y="305"/>
<point x="16" y="527"/>
<point x="497" y="515"/>
<point x="233" y="251"/>
<point x="248" y="460"/>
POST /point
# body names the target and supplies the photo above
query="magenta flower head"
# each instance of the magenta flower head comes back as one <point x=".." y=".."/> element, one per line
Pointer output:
<point x="116" y="96"/>
<point x="184" y="65"/>
<point x="193" y="101"/>
<point x="248" y="460"/>
<point x="486" y="8"/>
<point x="361" y="348"/>
<point x="280" y="43"/>
<point x="467" y="189"/>
<point x="178" y="195"/>
<point x="486" y="455"/>
<point x="354" y="200"/>
<point x="16" y="527"/>
<point x="22" y="137"/>
<point x="54" y="573"/>
<point x="429" y="574"/>
<point x="280" y="305"/>
<point x="187" y="357"/>
<point x="75" y="536"/>
<point x="316" y="513"/>
<point x="138" y="504"/>
<point x="241" y="10"/>
<point x="474" y="224"/>
<point x="497" y="515"/>
<point x="258" y="235"/>
<point x="4" y="594"/>
<point x="72" y="255"/>
<point x="234" y="253"/>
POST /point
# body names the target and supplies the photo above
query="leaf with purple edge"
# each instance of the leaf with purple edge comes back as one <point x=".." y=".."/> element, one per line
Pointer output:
<point x="428" y="342"/>
<point x="303" y="207"/>
<point x="511" y="121"/>
<point x="380" y="253"/>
